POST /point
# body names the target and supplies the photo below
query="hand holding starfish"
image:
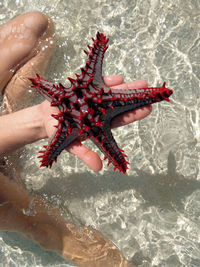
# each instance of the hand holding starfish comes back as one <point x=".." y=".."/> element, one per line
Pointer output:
<point x="89" y="157"/>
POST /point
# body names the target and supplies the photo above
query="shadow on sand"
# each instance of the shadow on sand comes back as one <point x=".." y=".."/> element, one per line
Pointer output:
<point x="166" y="191"/>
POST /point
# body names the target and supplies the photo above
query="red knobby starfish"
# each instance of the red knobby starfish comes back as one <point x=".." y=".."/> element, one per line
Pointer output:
<point x="87" y="107"/>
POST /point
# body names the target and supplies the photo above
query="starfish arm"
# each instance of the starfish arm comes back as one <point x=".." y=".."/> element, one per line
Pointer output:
<point x="108" y="146"/>
<point x="53" y="93"/>
<point x="93" y="67"/>
<point x="150" y="95"/>
<point x="57" y="144"/>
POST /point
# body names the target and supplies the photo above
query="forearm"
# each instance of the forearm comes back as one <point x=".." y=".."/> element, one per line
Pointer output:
<point x="38" y="220"/>
<point x="20" y="128"/>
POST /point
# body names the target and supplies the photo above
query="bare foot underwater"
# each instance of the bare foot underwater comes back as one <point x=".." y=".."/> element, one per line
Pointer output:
<point x="26" y="46"/>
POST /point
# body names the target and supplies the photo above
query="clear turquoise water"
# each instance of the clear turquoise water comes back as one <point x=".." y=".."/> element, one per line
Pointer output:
<point x="152" y="214"/>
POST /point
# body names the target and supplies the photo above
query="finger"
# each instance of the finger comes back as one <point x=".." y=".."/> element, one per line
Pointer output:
<point x="89" y="157"/>
<point x="131" y="85"/>
<point x="113" y="80"/>
<point x="131" y="116"/>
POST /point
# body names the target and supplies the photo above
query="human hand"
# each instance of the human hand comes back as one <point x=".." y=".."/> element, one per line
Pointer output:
<point x="89" y="157"/>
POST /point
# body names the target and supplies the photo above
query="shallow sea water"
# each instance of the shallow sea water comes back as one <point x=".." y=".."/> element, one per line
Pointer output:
<point x="152" y="213"/>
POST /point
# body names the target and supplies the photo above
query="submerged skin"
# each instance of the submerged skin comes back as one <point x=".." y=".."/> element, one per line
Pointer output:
<point x="26" y="45"/>
<point x="45" y="225"/>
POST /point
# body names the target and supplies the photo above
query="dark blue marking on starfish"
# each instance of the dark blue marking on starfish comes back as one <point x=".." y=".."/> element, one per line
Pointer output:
<point x="87" y="107"/>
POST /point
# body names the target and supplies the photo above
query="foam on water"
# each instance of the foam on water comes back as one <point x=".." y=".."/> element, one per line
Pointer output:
<point x="152" y="214"/>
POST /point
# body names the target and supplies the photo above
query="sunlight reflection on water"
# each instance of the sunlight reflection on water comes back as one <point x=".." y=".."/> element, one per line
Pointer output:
<point x="152" y="214"/>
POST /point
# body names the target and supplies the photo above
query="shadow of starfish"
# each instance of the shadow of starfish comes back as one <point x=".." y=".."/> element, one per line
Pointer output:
<point x="166" y="191"/>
